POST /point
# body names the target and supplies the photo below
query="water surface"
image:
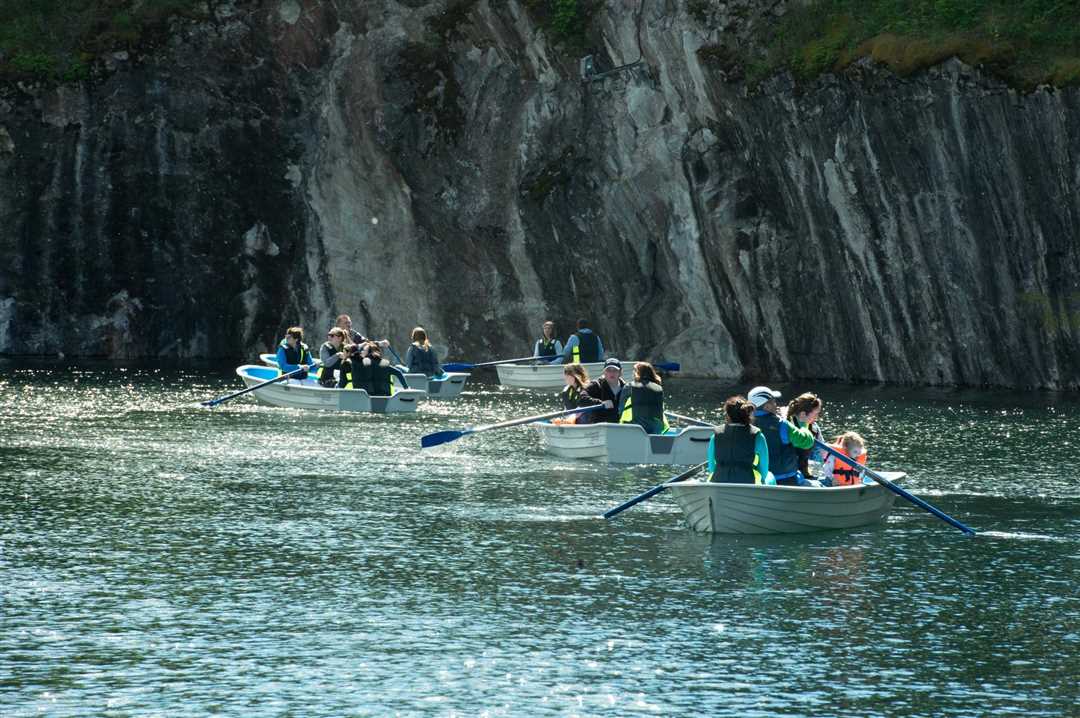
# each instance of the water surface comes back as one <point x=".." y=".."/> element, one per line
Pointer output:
<point x="157" y="558"/>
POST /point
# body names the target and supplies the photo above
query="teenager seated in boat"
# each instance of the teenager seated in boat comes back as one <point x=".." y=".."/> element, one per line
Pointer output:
<point x="421" y="359"/>
<point x="332" y="354"/>
<point x="738" y="452"/>
<point x="607" y="389"/>
<point x="783" y="437"/>
<point x="583" y="346"/>
<point x="838" y="472"/>
<point x="548" y="345"/>
<point x="367" y="369"/>
<point x="292" y="353"/>
<point x="641" y="401"/>
<point x="574" y="396"/>
<point x="344" y="321"/>
<point x="803" y="411"/>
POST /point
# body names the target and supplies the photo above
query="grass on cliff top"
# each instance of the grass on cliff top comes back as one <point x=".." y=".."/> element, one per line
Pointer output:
<point x="1025" y="42"/>
<point x="59" y="39"/>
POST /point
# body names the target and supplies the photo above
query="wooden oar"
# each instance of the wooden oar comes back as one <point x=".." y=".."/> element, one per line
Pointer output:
<point x="894" y="488"/>
<point x="443" y="437"/>
<point x="465" y="366"/>
<point x="654" y="491"/>
<point x="214" y="402"/>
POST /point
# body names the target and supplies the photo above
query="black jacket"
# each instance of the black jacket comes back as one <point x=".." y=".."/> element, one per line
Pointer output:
<point x="599" y="389"/>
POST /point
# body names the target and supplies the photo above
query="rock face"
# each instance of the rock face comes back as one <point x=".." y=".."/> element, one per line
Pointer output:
<point x="443" y="164"/>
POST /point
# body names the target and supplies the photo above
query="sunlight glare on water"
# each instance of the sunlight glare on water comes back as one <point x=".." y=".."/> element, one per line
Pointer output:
<point x="157" y="557"/>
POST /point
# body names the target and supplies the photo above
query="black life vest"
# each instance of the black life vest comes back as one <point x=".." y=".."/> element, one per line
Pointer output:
<point x="422" y="360"/>
<point x="545" y="347"/>
<point x="296" y="355"/>
<point x="587" y="350"/>
<point x="380" y="383"/>
<point x="355" y="374"/>
<point x="734" y="455"/>
<point x="639" y="404"/>
<point x="326" y="373"/>
<point x="783" y="458"/>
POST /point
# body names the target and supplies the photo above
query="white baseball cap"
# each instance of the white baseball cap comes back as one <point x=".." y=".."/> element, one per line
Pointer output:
<point x="759" y="396"/>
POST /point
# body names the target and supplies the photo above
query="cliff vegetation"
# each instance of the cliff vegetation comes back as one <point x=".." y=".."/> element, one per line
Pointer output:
<point x="61" y="39"/>
<point x="1024" y="42"/>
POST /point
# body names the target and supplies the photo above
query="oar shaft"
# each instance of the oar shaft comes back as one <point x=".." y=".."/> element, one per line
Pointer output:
<point x="896" y="489"/>
<point x="654" y="491"/>
<point x="538" y="417"/>
<point x="214" y="402"/>
<point x="688" y="419"/>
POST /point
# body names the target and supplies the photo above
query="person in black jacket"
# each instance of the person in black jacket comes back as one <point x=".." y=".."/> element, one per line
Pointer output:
<point x="573" y="396"/>
<point x="607" y="389"/>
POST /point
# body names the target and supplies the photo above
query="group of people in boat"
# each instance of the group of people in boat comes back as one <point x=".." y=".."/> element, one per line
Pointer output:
<point x="349" y="360"/>
<point x="760" y="442"/>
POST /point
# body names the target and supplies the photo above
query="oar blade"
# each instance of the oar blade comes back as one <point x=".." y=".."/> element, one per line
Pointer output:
<point x="457" y="367"/>
<point x="440" y="437"/>
<point x="668" y="366"/>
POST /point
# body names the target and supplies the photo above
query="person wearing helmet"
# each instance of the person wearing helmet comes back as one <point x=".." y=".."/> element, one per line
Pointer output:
<point x="783" y="438"/>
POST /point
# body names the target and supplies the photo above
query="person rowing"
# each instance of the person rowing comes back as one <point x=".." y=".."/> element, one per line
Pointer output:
<point x="607" y="389"/>
<point x="292" y="353"/>
<point x="331" y="353"/>
<point x="641" y="401"/>
<point x="738" y="452"/>
<point x="583" y="346"/>
<point x="574" y="395"/>
<point x="548" y="345"/>
<point x="783" y="437"/>
<point x="803" y="411"/>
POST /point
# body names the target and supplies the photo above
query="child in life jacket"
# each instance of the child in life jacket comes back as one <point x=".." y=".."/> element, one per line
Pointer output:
<point x="837" y="472"/>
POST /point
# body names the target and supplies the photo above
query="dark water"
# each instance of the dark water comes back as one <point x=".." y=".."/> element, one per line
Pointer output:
<point x="161" y="559"/>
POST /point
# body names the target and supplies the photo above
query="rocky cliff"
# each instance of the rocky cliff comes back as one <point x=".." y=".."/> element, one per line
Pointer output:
<point x="444" y="164"/>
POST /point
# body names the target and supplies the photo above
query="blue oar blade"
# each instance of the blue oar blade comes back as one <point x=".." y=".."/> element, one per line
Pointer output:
<point x="668" y="366"/>
<point x="440" y="437"/>
<point x="457" y="367"/>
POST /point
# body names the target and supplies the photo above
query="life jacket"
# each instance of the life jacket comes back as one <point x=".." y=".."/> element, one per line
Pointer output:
<point x="844" y="474"/>
<point x="587" y="349"/>
<point x="422" y="360"/>
<point x="381" y="379"/>
<point x="783" y="458"/>
<point x="356" y="374"/>
<point x="295" y="355"/>
<point x="545" y="348"/>
<point x="326" y="373"/>
<point x="643" y="404"/>
<point x="734" y="455"/>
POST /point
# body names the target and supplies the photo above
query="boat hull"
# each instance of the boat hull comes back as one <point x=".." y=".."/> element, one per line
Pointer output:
<point x="754" y="509"/>
<point x="308" y="394"/>
<point x="624" y="443"/>
<point x="539" y="376"/>
<point x="446" y="386"/>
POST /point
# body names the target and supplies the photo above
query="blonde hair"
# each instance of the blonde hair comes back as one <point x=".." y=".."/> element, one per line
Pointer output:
<point x="850" y="438"/>
<point x="581" y="377"/>
<point x="420" y="337"/>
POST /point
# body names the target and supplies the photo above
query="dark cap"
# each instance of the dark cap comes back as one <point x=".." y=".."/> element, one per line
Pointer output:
<point x="613" y="362"/>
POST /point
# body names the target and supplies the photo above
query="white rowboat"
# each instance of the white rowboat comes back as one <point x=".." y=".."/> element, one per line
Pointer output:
<point x="625" y="443"/>
<point x="540" y="376"/>
<point x="756" y="509"/>
<point x="308" y="394"/>
<point x="446" y="386"/>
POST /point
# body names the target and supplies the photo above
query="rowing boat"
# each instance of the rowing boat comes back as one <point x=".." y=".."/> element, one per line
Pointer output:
<point x="309" y="394"/>
<point x="625" y="443"/>
<point x="758" y="509"/>
<point x="539" y="376"/>
<point x="445" y="386"/>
